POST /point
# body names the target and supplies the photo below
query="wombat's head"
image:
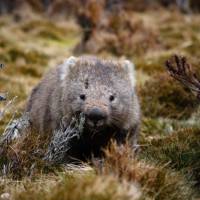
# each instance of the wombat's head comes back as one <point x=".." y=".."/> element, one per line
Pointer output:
<point x="101" y="89"/>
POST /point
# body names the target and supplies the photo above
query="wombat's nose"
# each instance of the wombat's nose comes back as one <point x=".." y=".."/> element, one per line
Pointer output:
<point x="96" y="114"/>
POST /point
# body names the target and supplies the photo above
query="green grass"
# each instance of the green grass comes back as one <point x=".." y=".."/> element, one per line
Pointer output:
<point x="179" y="149"/>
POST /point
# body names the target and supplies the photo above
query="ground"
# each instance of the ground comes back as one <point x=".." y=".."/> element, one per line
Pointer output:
<point x="168" y="163"/>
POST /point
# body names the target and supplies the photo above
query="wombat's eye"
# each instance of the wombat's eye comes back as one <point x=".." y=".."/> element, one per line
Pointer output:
<point x="111" y="98"/>
<point x="82" y="97"/>
<point x="86" y="84"/>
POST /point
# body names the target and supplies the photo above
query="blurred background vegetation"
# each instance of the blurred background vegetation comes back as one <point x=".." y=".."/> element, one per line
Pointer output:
<point x="37" y="35"/>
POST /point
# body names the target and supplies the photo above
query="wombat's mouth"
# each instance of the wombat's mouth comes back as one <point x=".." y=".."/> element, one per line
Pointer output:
<point x="95" y="118"/>
<point x="95" y="124"/>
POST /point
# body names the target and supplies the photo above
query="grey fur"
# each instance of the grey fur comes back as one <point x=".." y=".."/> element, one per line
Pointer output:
<point x="56" y="97"/>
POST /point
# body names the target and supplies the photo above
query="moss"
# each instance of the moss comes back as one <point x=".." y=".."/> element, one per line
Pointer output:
<point x="162" y="96"/>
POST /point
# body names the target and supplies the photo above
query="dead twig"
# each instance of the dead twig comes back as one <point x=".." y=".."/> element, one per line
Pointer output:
<point x="181" y="70"/>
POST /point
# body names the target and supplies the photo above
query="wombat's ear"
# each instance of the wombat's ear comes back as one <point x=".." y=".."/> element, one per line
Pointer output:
<point x="130" y="68"/>
<point x="65" y="67"/>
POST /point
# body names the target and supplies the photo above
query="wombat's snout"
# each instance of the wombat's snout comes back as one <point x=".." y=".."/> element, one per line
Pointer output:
<point x="96" y="117"/>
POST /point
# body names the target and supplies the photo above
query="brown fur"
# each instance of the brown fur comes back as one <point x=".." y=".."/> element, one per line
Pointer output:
<point x="57" y="98"/>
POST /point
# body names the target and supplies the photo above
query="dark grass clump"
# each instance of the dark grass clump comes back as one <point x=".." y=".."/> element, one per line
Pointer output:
<point x="22" y="150"/>
<point x="25" y="152"/>
<point x="24" y="156"/>
<point x="155" y="181"/>
<point x="162" y="97"/>
<point x="179" y="149"/>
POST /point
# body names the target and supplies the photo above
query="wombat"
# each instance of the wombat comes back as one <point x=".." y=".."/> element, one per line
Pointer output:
<point x="103" y="90"/>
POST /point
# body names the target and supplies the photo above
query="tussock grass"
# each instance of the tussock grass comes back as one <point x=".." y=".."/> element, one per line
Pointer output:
<point x="121" y="176"/>
<point x="24" y="157"/>
<point x="179" y="149"/>
<point x="83" y="187"/>
<point x="156" y="182"/>
<point x="161" y="96"/>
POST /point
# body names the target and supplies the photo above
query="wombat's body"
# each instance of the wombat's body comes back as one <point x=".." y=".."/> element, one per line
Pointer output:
<point x="103" y="90"/>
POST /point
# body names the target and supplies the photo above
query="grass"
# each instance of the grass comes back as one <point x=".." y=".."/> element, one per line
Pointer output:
<point x="163" y="97"/>
<point x="179" y="150"/>
<point x="84" y="187"/>
<point x="167" y="165"/>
